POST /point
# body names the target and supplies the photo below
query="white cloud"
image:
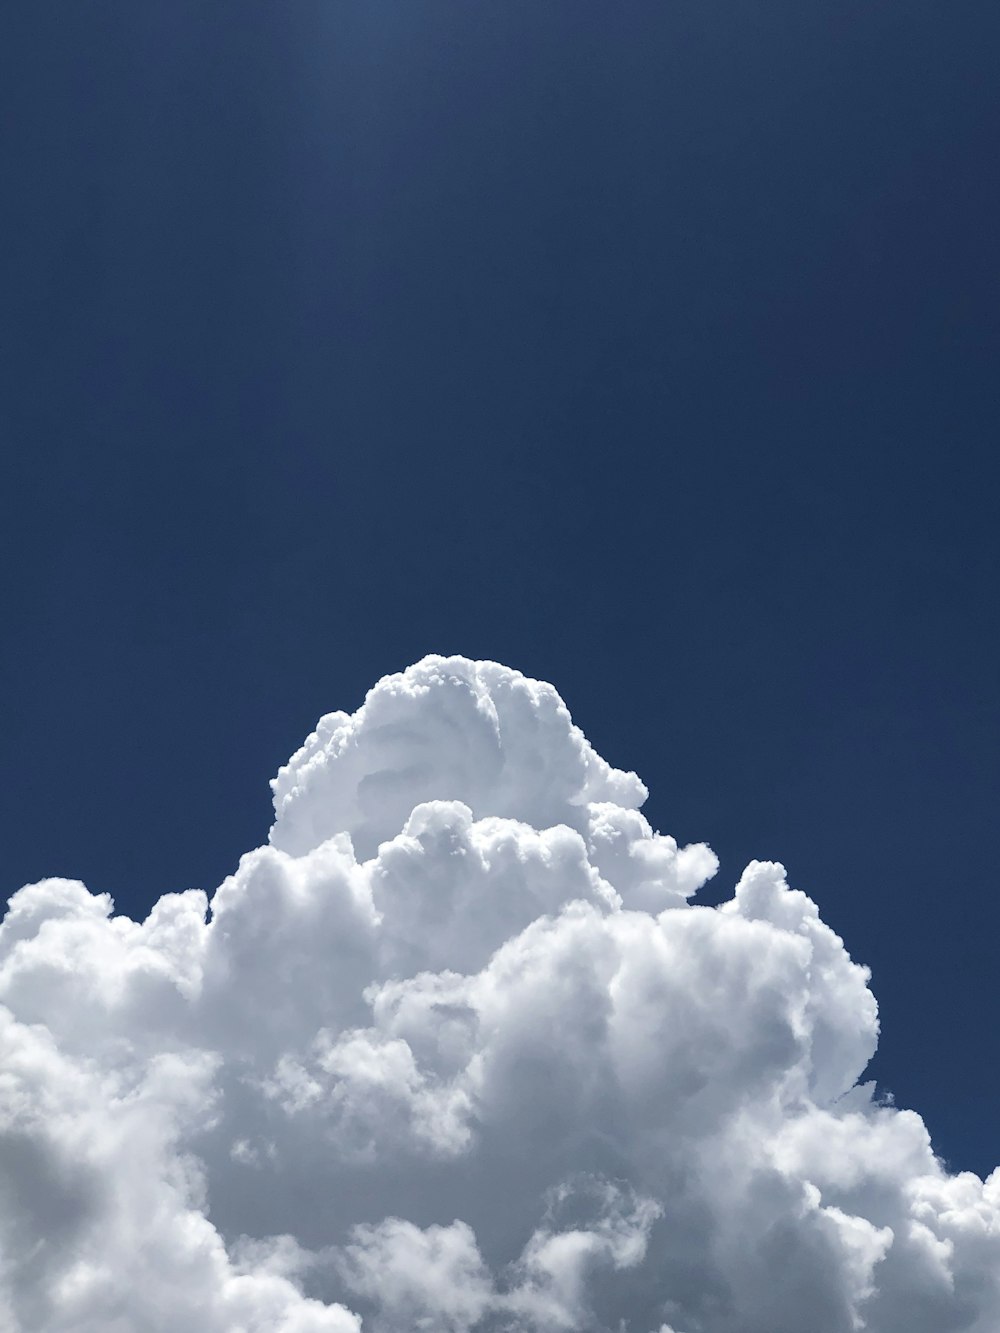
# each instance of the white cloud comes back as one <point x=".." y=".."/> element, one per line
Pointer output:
<point x="455" y="1053"/>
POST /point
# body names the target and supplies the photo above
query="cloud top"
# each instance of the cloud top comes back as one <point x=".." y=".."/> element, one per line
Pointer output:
<point x="454" y="1051"/>
<point x="446" y="729"/>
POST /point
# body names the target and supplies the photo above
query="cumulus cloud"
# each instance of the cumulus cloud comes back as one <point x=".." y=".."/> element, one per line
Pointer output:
<point x="455" y="1051"/>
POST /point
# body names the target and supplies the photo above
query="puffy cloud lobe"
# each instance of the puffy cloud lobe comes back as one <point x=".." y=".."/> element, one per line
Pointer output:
<point x="446" y="729"/>
<point x="454" y="1052"/>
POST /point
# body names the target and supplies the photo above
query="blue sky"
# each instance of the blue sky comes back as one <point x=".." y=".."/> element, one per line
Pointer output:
<point x="649" y="349"/>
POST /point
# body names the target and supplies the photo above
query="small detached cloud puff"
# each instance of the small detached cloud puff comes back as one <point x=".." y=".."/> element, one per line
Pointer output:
<point x="454" y="1052"/>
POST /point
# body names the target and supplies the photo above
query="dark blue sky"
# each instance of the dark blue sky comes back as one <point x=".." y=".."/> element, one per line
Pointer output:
<point x="649" y="347"/>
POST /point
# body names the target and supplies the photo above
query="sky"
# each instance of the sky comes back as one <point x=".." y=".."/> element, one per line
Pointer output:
<point x="648" y="349"/>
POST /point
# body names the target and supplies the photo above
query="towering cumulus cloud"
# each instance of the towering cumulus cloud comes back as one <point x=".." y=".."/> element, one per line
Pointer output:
<point x="454" y="1052"/>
